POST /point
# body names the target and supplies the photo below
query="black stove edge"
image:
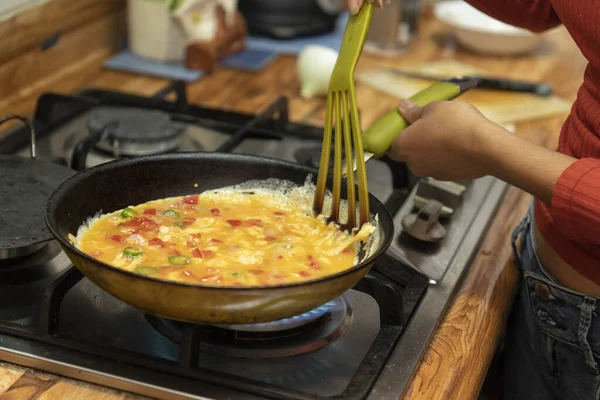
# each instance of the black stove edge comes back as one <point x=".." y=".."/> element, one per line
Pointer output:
<point x="390" y="385"/>
<point x="416" y="338"/>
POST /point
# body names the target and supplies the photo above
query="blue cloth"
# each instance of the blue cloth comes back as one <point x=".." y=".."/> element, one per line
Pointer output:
<point x="128" y="62"/>
<point x="249" y="60"/>
<point x="553" y="333"/>
<point x="259" y="52"/>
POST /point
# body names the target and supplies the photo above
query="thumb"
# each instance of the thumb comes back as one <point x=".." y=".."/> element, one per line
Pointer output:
<point x="409" y="110"/>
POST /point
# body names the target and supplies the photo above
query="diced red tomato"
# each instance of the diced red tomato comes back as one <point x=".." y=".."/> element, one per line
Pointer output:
<point x="270" y="238"/>
<point x="195" y="235"/>
<point x="190" y="244"/>
<point x="133" y="223"/>
<point x="215" y="211"/>
<point x="156" y="242"/>
<point x="202" y="253"/>
<point x="248" y="222"/>
<point x="253" y="222"/>
<point x="213" y="240"/>
<point x="148" y="225"/>
<point x="114" y="238"/>
<point x="193" y="199"/>
<point x="145" y="224"/>
<point x="174" y="253"/>
<point x="150" y="211"/>
<point x="196" y="253"/>
<point x="304" y="274"/>
<point x="208" y="254"/>
<point x="313" y="264"/>
<point x="279" y="213"/>
<point x="188" y="221"/>
<point x="256" y="271"/>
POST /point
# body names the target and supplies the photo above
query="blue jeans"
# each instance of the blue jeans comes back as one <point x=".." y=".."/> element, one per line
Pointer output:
<point x="553" y="333"/>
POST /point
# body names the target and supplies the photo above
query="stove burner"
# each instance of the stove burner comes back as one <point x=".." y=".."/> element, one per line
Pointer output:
<point x="288" y="323"/>
<point x="300" y="334"/>
<point x="46" y="261"/>
<point x="134" y="131"/>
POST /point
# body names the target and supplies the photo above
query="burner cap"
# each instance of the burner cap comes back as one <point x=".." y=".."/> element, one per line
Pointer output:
<point x="288" y="337"/>
<point x="134" y="124"/>
<point x="135" y="131"/>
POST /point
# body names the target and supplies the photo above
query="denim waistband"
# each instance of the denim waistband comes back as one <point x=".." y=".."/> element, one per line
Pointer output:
<point x="560" y="312"/>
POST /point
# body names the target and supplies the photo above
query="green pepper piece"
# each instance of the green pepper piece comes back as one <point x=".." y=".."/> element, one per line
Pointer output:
<point x="235" y="274"/>
<point x="171" y="213"/>
<point x="179" y="260"/>
<point x="145" y="270"/>
<point x="128" y="213"/>
<point x="132" y="252"/>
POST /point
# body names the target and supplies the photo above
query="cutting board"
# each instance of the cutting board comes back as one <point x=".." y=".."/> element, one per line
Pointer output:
<point x="502" y="107"/>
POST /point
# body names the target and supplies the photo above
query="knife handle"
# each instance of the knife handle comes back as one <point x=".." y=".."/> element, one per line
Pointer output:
<point x="378" y="138"/>
<point x="540" y="89"/>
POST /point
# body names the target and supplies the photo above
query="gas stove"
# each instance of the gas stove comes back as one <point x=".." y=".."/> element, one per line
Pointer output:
<point x="365" y="344"/>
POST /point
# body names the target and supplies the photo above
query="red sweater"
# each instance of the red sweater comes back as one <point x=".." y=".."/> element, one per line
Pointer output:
<point x="571" y="223"/>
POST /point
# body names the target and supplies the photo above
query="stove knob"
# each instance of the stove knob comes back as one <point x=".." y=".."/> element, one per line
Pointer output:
<point x="424" y="225"/>
<point x="450" y="194"/>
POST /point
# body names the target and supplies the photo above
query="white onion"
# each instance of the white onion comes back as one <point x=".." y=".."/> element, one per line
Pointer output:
<point x="137" y="239"/>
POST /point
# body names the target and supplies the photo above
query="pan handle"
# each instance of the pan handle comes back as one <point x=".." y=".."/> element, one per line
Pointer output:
<point x="27" y="122"/>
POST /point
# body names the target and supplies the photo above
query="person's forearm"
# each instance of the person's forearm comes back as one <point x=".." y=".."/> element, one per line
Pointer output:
<point x="521" y="163"/>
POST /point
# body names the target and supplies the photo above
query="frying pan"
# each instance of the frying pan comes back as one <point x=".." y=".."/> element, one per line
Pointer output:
<point x="118" y="184"/>
<point x="115" y="185"/>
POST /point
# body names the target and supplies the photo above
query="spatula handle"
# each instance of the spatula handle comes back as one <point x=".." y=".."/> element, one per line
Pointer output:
<point x="378" y="138"/>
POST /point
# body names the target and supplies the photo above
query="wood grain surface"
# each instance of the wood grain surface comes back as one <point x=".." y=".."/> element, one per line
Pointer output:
<point x="28" y="30"/>
<point x="456" y="363"/>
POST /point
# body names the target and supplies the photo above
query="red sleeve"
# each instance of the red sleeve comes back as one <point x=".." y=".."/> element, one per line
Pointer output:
<point x="575" y="206"/>
<point x="533" y="15"/>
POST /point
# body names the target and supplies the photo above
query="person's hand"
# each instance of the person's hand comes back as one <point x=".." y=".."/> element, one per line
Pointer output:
<point x="445" y="140"/>
<point x="355" y="5"/>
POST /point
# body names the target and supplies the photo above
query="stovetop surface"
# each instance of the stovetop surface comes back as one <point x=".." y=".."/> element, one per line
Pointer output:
<point x="53" y="318"/>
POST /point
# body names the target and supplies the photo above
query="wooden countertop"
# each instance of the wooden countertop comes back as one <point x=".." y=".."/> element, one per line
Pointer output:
<point x="462" y="349"/>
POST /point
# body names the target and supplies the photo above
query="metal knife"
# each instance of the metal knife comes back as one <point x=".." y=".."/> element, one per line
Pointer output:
<point x="378" y="138"/>
<point x="542" y="89"/>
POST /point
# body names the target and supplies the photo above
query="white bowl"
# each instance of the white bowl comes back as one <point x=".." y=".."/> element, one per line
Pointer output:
<point x="480" y="33"/>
